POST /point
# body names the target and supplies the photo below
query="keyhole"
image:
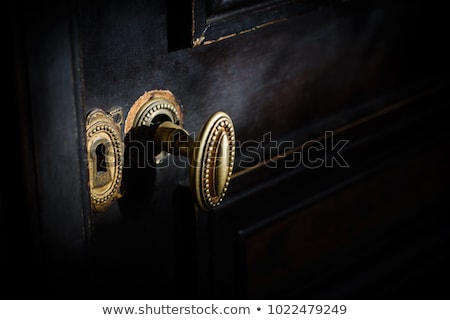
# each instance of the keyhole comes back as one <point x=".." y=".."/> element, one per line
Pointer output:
<point x="101" y="158"/>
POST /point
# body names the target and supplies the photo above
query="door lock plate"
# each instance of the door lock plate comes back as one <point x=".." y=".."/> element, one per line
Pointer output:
<point x="105" y="156"/>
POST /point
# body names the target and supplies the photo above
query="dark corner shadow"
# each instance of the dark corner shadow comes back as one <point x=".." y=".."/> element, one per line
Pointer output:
<point x="139" y="173"/>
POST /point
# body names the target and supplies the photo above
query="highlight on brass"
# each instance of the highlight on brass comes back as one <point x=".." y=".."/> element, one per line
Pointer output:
<point x="211" y="155"/>
<point x="105" y="157"/>
<point x="213" y="160"/>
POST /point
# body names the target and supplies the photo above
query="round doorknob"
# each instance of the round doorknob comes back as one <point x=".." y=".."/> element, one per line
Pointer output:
<point x="211" y="154"/>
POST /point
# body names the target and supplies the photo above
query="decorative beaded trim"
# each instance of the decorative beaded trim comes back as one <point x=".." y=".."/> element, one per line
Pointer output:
<point x="99" y="122"/>
<point x="147" y="116"/>
<point x="222" y="127"/>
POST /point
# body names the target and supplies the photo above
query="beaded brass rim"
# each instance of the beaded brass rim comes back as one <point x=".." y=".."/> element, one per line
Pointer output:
<point x="213" y="161"/>
<point x="101" y="130"/>
<point x="151" y="104"/>
<point x="211" y="155"/>
<point x="152" y="109"/>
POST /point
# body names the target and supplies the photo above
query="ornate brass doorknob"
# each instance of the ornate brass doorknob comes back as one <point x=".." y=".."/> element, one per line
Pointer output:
<point x="211" y="154"/>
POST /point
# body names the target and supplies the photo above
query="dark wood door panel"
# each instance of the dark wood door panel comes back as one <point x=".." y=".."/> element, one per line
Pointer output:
<point x="373" y="73"/>
<point x="312" y="67"/>
<point x="273" y="254"/>
<point x="317" y="212"/>
<point x="214" y="21"/>
<point x="49" y="228"/>
<point x="214" y="6"/>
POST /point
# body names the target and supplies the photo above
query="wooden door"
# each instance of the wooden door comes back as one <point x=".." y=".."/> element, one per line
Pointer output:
<point x="340" y="178"/>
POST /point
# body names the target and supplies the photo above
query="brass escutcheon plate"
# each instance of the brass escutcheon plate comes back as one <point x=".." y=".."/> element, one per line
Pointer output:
<point x="105" y="157"/>
<point x="152" y="105"/>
